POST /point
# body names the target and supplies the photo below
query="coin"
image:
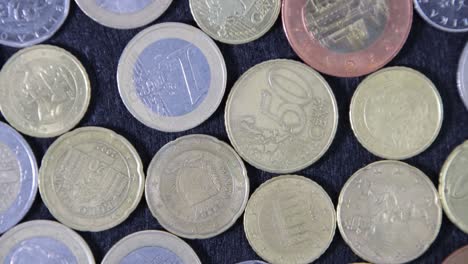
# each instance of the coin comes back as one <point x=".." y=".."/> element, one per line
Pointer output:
<point x="151" y="247"/>
<point x="18" y="177"/>
<point x="281" y="116"/>
<point x="26" y="23"/>
<point x="290" y="219"/>
<point x="463" y="76"/>
<point x="91" y="179"/>
<point x="235" y="21"/>
<point x="389" y="212"/>
<point x="197" y="187"/>
<point x="396" y="113"/>
<point x="44" y="91"/>
<point x="43" y="241"/>
<point x="124" y="14"/>
<point x="449" y="16"/>
<point x="347" y="38"/>
<point x="458" y="257"/>
<point x="172" y="77"/>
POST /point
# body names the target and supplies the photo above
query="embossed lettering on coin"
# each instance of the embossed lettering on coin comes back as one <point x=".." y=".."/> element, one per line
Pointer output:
<point x="446" y="15"/>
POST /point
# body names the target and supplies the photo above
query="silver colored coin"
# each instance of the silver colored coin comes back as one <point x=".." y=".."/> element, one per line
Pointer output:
<point x="26" y="23"/>
<point x="449" y="16"/>
<point x="91" y="179"/>
<point x="18" y="177"/>
<point x="197" y="187"/>
<point x="44" y="242"/>
<point x="463" y="76"/>
<point x="151" y="247"/>
<point x="172" y="77"/>
<point x="124" y="14"/>
<point x="281" y="116"/>
<point x="389" y="212"/>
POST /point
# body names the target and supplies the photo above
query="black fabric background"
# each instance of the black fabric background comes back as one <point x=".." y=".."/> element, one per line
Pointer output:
<point x="428" y="50"/>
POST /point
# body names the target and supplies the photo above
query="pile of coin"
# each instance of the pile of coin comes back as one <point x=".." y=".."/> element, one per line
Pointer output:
<point x="281" y="116"/>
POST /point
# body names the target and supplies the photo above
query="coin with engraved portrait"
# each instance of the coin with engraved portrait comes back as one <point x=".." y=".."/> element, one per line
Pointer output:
<point x="389" y="212"/>
<point x="124" y="14"/>
<point x="458" y="257"/>
<point x="446" y="15"/>
<point x="44" y="91"/>
<point x="290" y="220"/>
<point x="281" y="116"/>
<point x="235" y="21"/>
<point x="197" y="187"/>
<point x="172" y="77"/>
<point x="396" y="113"/>
<point x="43" y="241"/>
<point x="26" y="23"/>
<point x="151" y="247"/>
<point x="91" y="179"/>
<point x="18" y="177"/>
<point x="463" y="76"/>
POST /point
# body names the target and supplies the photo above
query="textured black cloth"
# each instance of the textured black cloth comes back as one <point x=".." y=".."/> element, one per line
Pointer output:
<point x="428" y="50"/>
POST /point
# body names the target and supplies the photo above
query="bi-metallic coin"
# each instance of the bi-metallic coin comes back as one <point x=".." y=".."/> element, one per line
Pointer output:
<point x="449" y="16"/>
<point x="463" y="76"/>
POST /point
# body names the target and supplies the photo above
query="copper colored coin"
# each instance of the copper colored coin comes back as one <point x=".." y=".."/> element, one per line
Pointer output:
<point x="347" y="38"/>
<point x="458" y="257"/>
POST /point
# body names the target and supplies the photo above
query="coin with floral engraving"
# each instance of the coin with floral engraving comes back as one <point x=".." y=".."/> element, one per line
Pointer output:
<point x="44" y="91"/>
<point x="389" y="212"/>
<point x="172" y="77"/>
<point x="446" y="15"/>
<point x="197" y="186"/>
<point x="458" y="257"/>
<point x="281" y="116"/>
<point x="463" y="76"/>
<point x="91" y="179"/>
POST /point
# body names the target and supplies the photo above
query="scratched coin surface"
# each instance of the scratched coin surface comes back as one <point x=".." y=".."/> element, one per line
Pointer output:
<point x="235" y="21"/>
<point x="44" y="91"/>
<point x="26" y="23"/>
<point x="18" y="177"/>
<point x="463" y="76"/>
<point x="197" y="187"/>
<point x="446" y="15"/>
<point x="389" y="212"/>
<point x="172" y="77"/>
<point x="124" y="14"/>
<point x="151" y="247"/>
<point x="43" y="241"/>
<point x="281" y="116"/>
<point x="458" y="257"/>
<point x="91" y="179"/>
<point x="396" y="113"/>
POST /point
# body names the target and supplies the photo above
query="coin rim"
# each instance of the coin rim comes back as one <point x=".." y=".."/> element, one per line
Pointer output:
<point x="423" y="15"/>
<point x="462" y="73"/>
<point x="454" y="254"/>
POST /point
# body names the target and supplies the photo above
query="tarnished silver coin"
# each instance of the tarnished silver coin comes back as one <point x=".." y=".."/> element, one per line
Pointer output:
<point x="281" y="116"/>
<point x="18" y="177"/>
<point x="172" y="77"/>
<point x="91" y="179"/>
<point x="124" y="14"/>
<point x="389" y="212"/>
<point x="44" y="91"/>
<point x="151" y="247"/>
<point x="290" y="220"/>
<point x="235" y="21"/>
<point x="44" y="242"/>
<point x="463" y="76"/>
<point x="446" y="15"/>
<point x="197" y="186"/>
<point x="26" y="23"/>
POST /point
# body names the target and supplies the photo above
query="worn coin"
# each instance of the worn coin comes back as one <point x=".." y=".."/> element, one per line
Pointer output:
<point x="446" y="15"/>
<point x="197" y="186"/>
<point x="44" y="242"/>
<point x="396" y="113"/>
<point x="44" y="91"/>
<point x="463" y="76"/>
<point x="458" y="257"/>
<point x="281" y="116"/>
<point x="290" y="219"/>
<point x="18" y="177"/>
<point x="91" y="179"/>
<point x="172" y="77"/>
<point x="235" y="21"/>
<point x="151" y="247"/>
<point x="124" y="14"/>
<point x="389" y="212"/>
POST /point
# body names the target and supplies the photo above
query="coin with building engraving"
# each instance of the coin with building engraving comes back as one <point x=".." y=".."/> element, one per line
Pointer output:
<point x="42" y="241"/>
<point x="235" y="21"/>
<point x="389" y="212"/>
<point x="290" y="219"/>
<point x="458" y="257"/>
<point x="197" y="187"/>
<point x="396" y="113"/>
<point x="151" y="247"/>
<point x="44" y="91"/>
<point x="281" y="116"/>
<point x="446" y="15"/>
<point x="172" y="77"/>
<point x="463" y="76"/>
<point x="18" y="177"/>
<point x="91" y="179"/>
